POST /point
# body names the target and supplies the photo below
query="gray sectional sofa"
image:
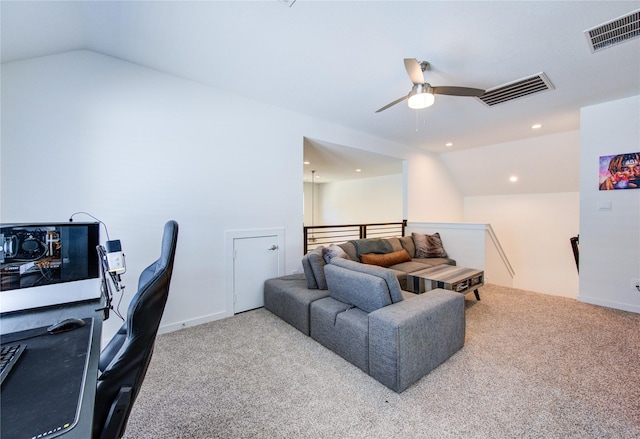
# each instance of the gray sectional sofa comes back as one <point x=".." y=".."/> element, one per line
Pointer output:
<point x="421" y="251"/>
<point x="360" y="312"/>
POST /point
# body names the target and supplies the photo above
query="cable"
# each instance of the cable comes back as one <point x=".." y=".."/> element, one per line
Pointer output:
<point x="105" y="289"/>
<point x="88" y="214"/>
<point x="116" y="310"/>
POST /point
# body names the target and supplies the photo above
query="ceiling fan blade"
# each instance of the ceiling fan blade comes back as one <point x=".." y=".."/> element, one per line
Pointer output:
<point x="397" y="101"/>
<point x="458" y="91"/>
<point x="413" y="70"/>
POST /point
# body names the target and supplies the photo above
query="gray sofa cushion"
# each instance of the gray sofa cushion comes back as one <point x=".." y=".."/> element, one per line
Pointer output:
<point x="395" y="244"/>
<point x="316" y="260"/>
<point x="432" y="262"/>
<point x="389" y="276"/>
<point x="289" y="298"/>
<point x="308" y="273"/>
<point x="408" y="244"/>
<point x="409" y="267"/>
<point x="365" y="291"/>
<point x="343" y="329"/>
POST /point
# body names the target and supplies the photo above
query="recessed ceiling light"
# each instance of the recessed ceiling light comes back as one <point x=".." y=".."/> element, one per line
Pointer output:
<point x="513" y="179"/>
<point x="448" y="144"/>
<point x="358" y="170"/>
<point x="536" y="126"/>
<point x="306" y="163"/>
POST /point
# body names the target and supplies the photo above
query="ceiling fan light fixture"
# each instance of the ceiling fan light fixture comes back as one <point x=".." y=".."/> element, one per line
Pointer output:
<point x="421" y="96"/>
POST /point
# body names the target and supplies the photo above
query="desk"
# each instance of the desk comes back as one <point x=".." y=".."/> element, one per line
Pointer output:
<point x="35" y="318"/>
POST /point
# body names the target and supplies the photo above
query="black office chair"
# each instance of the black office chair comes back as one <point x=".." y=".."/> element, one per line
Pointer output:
<point x="124" y="361"/>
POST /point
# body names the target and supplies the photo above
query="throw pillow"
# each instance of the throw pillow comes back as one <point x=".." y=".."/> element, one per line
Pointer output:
<point x="317" y="266"/>
<point x="333" y="251"/>
<point x="386" y="260"/>
<point x="372" y="245"/>
<point x="408" y="245"/>
<point x="428" y="246"/>
<point x="308" y="273"/>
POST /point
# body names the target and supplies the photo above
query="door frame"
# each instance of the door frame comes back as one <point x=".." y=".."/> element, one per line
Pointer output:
<point x="230" y="236"/>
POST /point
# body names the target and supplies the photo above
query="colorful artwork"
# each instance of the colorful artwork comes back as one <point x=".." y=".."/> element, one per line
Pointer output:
<point x="620" y="171"/>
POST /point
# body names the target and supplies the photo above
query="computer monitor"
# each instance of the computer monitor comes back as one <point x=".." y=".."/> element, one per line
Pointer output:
<point x="36" y="257"/>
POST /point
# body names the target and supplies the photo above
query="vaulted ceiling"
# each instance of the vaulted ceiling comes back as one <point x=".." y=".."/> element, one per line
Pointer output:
<point x="342" y="60"/>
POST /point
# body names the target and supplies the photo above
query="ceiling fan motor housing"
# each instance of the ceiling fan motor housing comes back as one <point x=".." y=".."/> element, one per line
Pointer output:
<point x="421" y="96"/>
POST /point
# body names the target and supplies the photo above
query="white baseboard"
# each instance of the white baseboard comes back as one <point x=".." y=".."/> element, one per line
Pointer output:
<point x="610" y="304"/>
<point x="164" y="329"/>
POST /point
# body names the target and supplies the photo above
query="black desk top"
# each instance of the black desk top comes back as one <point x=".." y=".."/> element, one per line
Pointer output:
<point x="47" y="347"/>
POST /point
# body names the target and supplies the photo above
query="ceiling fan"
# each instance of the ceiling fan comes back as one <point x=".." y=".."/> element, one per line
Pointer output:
<point x="422" y="93"/>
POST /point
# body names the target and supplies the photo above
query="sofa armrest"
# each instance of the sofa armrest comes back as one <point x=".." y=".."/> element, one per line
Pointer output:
<point x="410" y="338"/>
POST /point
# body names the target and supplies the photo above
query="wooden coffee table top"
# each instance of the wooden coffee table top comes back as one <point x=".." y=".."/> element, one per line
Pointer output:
<point x="450" y="277"/>
<point x="446" y="273"/>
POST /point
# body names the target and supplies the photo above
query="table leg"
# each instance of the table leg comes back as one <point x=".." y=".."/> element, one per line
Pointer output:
<point x="477" y="294"/>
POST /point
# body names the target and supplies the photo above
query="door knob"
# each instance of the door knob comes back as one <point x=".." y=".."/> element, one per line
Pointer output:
<point x="274" y="247"/>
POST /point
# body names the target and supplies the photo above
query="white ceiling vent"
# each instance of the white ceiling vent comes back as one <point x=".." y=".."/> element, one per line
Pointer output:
<point x="516" y="89"/>
<point x="614" y="32"/>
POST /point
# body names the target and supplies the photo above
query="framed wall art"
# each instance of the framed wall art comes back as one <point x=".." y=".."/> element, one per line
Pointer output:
<point x="620" y="171"/>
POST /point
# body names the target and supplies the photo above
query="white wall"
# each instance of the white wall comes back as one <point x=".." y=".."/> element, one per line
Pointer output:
<point x="432" y="194"/>
<point x="609" y="239"/>
<point x="473" y="246"/>
<point x="360" y="201"/>
<point x="463" y="242"/>
<point x="534" y="231"/>
<point x="534" y="217"/>
<point x="136" y="147"/>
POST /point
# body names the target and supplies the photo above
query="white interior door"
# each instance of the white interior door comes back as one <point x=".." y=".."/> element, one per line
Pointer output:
<point x="255" y="259"/>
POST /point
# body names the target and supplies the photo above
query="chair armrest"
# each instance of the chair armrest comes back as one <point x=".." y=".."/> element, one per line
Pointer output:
<point x="118" y="414"/>
<point x="410" y="338"/>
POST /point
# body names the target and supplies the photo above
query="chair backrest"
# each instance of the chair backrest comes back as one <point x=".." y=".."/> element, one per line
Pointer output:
<point x="125" y="359"/>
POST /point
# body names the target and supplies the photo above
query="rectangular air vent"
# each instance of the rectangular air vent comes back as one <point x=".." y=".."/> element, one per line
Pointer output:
<point x="614" y="32"/>
<point x="516" y="89"/>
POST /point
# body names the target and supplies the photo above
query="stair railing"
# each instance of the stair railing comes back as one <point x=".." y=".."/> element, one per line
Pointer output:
<point x="315" y="236"/>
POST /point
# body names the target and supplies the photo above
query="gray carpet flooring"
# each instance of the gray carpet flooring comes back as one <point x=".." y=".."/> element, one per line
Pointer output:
<point x="533" y="366"/>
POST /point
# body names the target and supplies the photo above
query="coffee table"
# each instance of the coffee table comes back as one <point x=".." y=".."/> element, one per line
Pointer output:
<point x="450" y="277"/>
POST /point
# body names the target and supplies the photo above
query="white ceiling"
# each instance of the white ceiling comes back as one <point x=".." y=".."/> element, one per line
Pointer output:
<point x="341" y="61"/>
<point x="337" y="162"/>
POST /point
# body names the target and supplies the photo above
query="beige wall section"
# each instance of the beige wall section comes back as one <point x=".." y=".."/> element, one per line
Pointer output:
<point x="533" y="218"/>
<point x="472" y="245"/>
<point x="366" y="200"/>
<point x="534" y="231"/>
<point x="432" y="193"/>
